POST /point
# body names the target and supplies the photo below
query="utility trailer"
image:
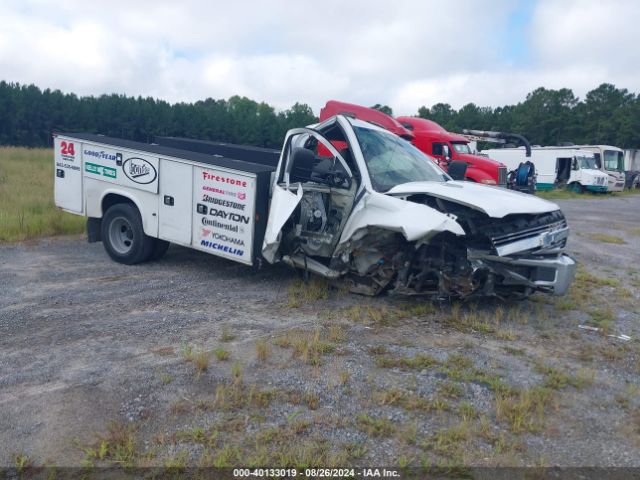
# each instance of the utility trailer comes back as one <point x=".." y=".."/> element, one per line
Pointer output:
<point x="211" y="203"/>
<point x="347" y="200"/>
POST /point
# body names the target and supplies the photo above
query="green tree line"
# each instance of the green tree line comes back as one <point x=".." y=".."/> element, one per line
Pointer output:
<point x="28" y="116"/>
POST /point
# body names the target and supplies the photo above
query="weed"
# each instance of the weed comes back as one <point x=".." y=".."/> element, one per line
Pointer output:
<point x="602" y="318"/>
<point x="418" y="362"/>
<point x="377" y="427"/>
<point x="263" y="350"/>
<point x="466" y="410"/>
<point x="344" y="377"/>
<point x="163" y="351"/>
<point x="227" y="336"/>
<point x="514" y="351"/>
<point x="336" y="333"/>
<point x="449" y="441"/>
<point x="409" y="401"/>
<point x="606" y="238"/>
<point x="302" y="292"/>
<point x="524" y="410"/>
<point x="22" y="463"/>
<point x="187" y="352"/>
<point x="117" y="446"/>
<point x="557" y="380"/>
<point x="377" y="350"/>
<point x="165" y="378"/>
<point x="312" y="400"/>
<point x="450" y="390"/>
<point x="309" y="346"/>
<point x="221" y="354"/>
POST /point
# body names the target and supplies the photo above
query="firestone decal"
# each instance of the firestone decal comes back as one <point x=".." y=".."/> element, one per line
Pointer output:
<point x="139" y="170"/>
<point x="221" y="179"/>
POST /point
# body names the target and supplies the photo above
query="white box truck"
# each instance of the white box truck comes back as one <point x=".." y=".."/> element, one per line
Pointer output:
<point x="556" y="167"/>
<point x="609" y="160"/>
<point x="344" y="199"/>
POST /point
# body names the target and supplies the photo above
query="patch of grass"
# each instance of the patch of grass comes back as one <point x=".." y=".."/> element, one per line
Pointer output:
<point x="336" y="333"/>
<point x="263" y="350"/>
<point x="450" y="389"/>
<point x="377" y="350"/>
<point x="302" y="292"/>
<point x="187" y="352"/>
<point x="308" y="346"/>
<point x="165" y="378"/>
<point x="449" y="441"/>
<point x="467" y="411"/>
<point x="27" y="209"/>
<point x="409" y="401"/>
<point x="22" y="463"/>
<point x="417" y="362"/>
<point x="117" y="446"/>
<point x="222" y="354"/>
<point x="163" y="351"/>
<point x="524" y="411"/>
<point x="602" y="318"/>
<point x="227" y="336"/>
<point x="606" y="238"/>
<point x="201" y="362"/>
<point x="376" y="427"/>
<point x="312" y="400"/>
<point x="555" y="379"/>
<point x="514" y="351"/>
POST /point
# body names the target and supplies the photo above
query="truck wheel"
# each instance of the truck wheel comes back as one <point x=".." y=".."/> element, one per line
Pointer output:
<point x="123" y="236"/>
<point x="576" y="187"/>
<point x="159" y="249"/>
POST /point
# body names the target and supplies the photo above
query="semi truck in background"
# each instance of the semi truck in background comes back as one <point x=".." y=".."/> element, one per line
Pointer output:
<point x="632" y="168"/>
<point x="557" y="167"/>
<point x="429" y="138"/>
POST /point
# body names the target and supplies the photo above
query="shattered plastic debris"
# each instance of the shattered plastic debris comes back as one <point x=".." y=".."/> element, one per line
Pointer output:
<point x="596" y="329"/>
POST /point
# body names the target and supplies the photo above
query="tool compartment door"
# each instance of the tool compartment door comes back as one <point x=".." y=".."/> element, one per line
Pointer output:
<point x="68" y="175"/>
<point x="223" y="212"/>
<point x="176" y="194"/>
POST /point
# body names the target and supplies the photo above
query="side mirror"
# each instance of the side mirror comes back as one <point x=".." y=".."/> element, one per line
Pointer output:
<point x="446" y="152"/>
<point x="457" y="170"/>
<point x="574" y="164"/>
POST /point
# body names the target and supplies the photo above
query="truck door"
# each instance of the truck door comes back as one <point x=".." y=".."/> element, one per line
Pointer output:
<point x="176" y="193"/>
<point x="68" y="175"/>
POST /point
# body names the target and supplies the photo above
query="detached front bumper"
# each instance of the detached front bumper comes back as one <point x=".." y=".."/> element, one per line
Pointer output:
<point x="549" y="274"/>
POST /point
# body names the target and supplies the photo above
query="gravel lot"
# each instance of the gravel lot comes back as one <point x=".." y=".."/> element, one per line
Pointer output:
<point x="91" y="347"/>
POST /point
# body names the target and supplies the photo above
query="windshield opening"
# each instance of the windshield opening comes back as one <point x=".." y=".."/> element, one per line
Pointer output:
<point x="587" y="162"/>
<point x="393" y="161"/>
<point x="613" y="160"/>
<point x="461" y="147"/>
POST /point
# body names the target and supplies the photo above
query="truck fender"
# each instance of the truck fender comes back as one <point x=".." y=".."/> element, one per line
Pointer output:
<point x="283" y="204"/>
<point x="147" y="223"/>
<point x="478" y="175"/>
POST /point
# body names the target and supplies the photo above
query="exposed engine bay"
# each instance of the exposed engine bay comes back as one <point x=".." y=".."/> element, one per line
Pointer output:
<point x="446" y="265"/>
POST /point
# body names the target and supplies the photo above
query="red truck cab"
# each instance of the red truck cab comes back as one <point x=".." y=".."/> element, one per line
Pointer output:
<point x="428" y="137"/>
<point x="431" y="138"/>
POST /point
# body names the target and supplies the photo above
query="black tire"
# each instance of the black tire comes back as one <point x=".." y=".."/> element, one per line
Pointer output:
<point x="159" y="249"/>
<point x="123" y="236"/>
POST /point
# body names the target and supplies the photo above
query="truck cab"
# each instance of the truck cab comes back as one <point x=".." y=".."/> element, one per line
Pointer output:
<point x="446" y="147"/>
<point x="609" y="160"/>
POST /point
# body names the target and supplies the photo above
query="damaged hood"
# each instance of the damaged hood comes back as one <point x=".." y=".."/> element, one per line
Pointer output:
<point x="496" y="202"/>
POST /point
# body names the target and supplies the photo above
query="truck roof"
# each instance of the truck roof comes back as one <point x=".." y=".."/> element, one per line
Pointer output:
<point x="424" y="126"/>
<point x="162" y="151"/>
<point x="334" y="107"/>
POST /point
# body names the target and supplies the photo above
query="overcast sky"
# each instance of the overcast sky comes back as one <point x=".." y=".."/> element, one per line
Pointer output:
<point x="401" y="53"/>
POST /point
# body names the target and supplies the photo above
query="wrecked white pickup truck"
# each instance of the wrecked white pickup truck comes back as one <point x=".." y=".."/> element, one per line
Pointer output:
<point x="344" y="199"/>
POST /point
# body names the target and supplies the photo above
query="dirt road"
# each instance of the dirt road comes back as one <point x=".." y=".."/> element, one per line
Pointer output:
<point x="90" y="346"/>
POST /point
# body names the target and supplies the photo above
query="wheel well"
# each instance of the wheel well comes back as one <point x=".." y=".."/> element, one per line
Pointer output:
<point x="111" y="199"/>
